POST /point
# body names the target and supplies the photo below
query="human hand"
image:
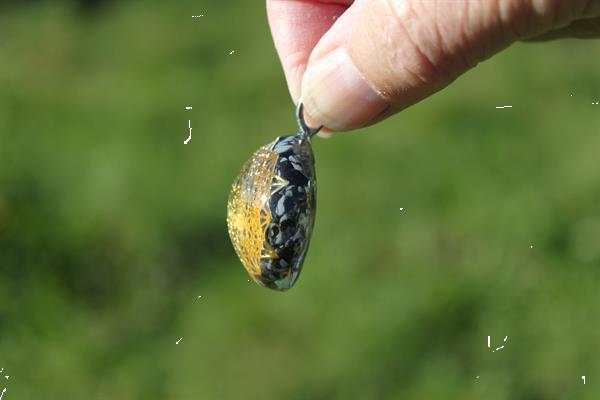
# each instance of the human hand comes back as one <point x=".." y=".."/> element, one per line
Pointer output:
<point x="354" y="63"/>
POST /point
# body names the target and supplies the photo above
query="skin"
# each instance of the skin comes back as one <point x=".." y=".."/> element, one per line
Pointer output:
<point x="354" y="63"/>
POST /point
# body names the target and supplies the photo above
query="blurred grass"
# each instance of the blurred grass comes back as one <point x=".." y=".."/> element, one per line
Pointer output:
<point x="110" y="227"/>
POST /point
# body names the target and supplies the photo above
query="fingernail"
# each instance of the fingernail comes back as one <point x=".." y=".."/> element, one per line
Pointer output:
<point x="325" y="133"/>
<point x="337" y="95"/>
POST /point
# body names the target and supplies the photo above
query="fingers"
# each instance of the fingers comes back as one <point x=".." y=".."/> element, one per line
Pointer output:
<point x="384" y="55"/>
<point x="297" y="26"/>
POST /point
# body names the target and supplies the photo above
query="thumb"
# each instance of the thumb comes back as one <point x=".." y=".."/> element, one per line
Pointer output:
<point x="384" y="55"/>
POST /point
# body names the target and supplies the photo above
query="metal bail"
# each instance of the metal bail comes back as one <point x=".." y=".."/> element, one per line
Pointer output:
<point x="305" y="131"/>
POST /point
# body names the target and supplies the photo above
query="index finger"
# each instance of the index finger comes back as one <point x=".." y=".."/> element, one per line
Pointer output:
<point x="297" y="26"/>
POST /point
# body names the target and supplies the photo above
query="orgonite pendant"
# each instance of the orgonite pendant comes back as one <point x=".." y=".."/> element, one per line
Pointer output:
<point x="271" y="208"/>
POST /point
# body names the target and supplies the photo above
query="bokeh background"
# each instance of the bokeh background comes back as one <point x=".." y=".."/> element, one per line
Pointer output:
<point x="111" y="227"/>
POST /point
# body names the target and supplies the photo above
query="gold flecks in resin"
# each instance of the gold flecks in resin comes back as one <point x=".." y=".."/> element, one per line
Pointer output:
<point x="248" y="215"/>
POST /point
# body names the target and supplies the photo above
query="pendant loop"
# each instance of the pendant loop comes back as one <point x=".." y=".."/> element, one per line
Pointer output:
<point x="306" y="131"/>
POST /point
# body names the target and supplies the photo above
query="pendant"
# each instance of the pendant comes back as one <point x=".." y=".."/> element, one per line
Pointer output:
<point x="271" y="208"/>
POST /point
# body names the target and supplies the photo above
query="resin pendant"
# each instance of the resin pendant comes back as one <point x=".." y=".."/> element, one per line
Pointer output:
<point x="271" y="208"/>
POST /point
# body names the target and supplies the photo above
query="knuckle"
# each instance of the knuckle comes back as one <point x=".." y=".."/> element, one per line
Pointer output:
<point x="413" y="43"/>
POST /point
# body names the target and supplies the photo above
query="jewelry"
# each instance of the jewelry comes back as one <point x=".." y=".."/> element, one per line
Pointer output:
<point x="271" y="208"/>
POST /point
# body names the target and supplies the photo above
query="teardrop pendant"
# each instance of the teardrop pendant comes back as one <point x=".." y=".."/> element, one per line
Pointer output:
<point x="271" y="208"/>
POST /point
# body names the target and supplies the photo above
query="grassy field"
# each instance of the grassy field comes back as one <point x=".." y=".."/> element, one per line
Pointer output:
<point x="111" y="227"/>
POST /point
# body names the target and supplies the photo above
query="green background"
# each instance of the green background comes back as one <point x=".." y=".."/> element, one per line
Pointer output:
<point x="111" y="227"/>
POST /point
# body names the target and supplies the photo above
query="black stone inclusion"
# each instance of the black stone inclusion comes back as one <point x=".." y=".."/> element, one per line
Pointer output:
<point x="292" y="213"/>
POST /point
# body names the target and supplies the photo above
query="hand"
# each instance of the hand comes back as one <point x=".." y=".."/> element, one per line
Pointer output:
<point x="354" y="63"/>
